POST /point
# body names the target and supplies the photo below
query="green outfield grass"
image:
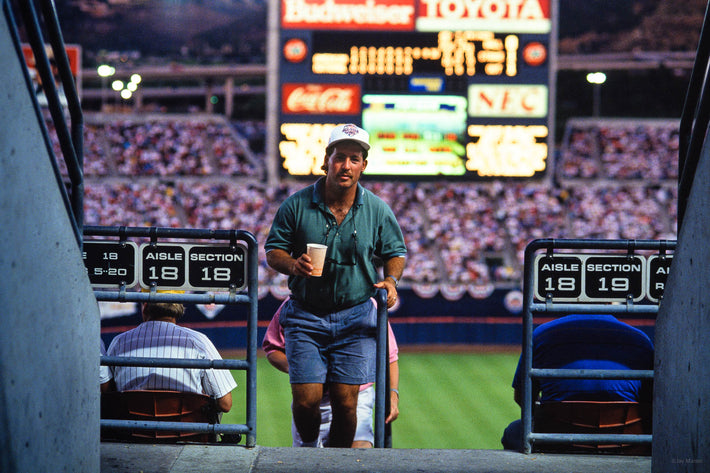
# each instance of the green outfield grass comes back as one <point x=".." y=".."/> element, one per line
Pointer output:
<point x="448" y="400"/>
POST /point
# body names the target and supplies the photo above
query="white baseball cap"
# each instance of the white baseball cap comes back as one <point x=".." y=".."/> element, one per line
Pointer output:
<point x="349" y="132"/>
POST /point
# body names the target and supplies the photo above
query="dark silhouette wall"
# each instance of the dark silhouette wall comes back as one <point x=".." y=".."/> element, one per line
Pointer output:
<point x="681" y="432"/>
<point x="49" y="327"/>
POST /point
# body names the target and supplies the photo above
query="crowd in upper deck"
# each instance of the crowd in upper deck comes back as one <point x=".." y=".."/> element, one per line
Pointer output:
<point x="613" y="179"/>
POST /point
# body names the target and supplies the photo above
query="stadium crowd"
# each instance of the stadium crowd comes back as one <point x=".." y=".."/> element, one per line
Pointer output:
<point x="614" y="179"/>
<point x="620" y="150"/>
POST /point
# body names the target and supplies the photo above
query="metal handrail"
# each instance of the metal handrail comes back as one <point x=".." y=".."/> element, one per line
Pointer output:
<point x="161" y="425"/>
<point x="590" y="374"/>
<point x="382" y="434"/>
<point x="173" y="362"/>
<point x="694" y="119"/>
<point x="530" y="307"/>
<point x="249" y="365"/>
<point x="591" y="438"/>
<point x="71" y="144"/>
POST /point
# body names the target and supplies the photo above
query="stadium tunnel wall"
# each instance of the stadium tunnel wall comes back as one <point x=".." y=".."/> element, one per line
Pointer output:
<point x="49" y="328"/>
<point x="681" y="432"/>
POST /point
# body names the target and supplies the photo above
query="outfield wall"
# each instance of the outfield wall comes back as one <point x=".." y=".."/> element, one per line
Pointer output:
<point x="437" y="317"/>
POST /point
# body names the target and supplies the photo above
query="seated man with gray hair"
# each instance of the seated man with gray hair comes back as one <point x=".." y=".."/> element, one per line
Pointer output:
<point x="159" y="336"/>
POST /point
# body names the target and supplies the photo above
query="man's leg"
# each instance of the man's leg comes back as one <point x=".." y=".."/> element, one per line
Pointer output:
<point x="324" y="431"/>
<point x="362" y="444"/>
<point x="343" y="399"/>
<point x="306" y="411"/>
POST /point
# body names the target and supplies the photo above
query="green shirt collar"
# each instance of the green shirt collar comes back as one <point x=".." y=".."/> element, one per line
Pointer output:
<point x="319" y="191"/>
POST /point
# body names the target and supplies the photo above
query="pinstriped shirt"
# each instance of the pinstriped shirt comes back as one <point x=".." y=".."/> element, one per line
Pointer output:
<point x="104" y="371"/>
<point x="157" y="339"/>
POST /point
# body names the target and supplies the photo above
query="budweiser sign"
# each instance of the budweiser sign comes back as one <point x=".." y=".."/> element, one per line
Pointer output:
<point x="510" y="16"/>
<point x="320" y="99"/>
<point x="385" y="15"/>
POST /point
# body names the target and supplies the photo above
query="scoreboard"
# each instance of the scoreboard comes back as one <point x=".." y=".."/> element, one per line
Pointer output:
<point x="453" y="88"/>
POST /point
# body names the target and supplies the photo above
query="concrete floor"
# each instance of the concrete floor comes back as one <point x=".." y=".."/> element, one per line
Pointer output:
<point x="147" y="458"/>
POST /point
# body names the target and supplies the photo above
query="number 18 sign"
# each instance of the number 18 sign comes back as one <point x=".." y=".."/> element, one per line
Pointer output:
<point x="193" y="267"/>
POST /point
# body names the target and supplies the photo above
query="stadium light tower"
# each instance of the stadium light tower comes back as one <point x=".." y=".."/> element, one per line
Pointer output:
<point x="104" y="71"/>
<point x="596" y="79"/>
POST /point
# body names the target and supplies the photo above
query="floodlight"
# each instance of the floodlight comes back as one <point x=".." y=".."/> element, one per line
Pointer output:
<point x="596" y="77"/>
<point x="104" y="70"/>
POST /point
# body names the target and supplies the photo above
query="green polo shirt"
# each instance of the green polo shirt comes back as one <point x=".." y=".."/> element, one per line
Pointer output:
<point x="369" y="230"/>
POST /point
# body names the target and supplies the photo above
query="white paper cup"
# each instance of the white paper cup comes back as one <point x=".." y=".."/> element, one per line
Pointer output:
<point x="317" y="254"/>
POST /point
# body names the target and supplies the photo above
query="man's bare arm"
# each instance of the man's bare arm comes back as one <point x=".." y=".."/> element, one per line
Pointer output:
<point x="284" y="263"/>
<point x="393" y="269"/>
<point x="224" y="403"/>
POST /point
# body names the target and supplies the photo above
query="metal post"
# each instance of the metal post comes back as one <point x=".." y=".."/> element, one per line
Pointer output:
<point x="201" y="298"/>
<point x="597" y="88"/>
<point x="253" y="285"/>
<point x="526" y="408"/>
<point x="549" y="306"/>
<point x="382" y="362"/>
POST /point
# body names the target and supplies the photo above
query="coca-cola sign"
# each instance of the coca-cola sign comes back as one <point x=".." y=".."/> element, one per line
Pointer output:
<point x="320" y="99"/>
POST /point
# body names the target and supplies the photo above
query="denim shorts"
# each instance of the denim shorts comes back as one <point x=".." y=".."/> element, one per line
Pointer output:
<point x="339" y="347"/>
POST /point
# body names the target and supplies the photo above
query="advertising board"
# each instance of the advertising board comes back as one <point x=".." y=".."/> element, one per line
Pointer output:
<point x="445" y="88"/>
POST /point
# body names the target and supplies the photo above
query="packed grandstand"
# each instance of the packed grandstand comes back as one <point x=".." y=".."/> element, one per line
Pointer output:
<point x="613" y="179"/>
<point x="609" y="178"/>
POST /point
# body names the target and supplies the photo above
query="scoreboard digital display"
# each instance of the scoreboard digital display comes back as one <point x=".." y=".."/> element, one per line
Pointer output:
<point x="448" y="53"/>
<point x="453" y="88"/>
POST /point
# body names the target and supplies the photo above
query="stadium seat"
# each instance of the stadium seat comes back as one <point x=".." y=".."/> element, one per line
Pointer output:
<point x="170" y="406"/>
<point x="594" y="417"/>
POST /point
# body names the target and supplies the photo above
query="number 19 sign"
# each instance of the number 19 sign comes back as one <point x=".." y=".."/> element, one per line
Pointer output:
<point x="193" y="267"/>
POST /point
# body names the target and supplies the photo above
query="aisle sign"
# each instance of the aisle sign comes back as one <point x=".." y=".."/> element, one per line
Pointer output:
<point x="163" y="265"/>
<point x="559" y="277"/>
<point x="658" y="269"/>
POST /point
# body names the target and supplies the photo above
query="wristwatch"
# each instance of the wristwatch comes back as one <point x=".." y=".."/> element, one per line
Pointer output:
<point x="396" y="282"/>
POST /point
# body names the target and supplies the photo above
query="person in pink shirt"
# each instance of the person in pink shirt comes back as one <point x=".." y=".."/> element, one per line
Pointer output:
<point x="274" y="347"/>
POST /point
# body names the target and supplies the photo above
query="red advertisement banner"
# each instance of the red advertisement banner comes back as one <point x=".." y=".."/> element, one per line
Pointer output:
<point x="371" y="15"/>
<point x="320" y="99"/>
